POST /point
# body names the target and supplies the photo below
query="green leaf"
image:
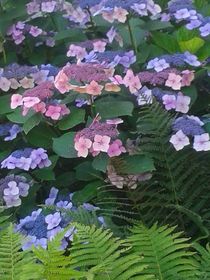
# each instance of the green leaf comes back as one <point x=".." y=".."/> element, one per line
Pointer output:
<point x="192" y="45"/>
<point x="86" y="172"/>
<point x="153" y="25"/>
<point x="64" y="145"/>
<point x="100" y="162"/>
<point x="87" y="193"/>
<point x="76" y="117"/>
<point x="17" y="117"/>
<point x="111" y="109"/>
<point x="70" y="33"/>
<point x="44" y="174"/>
<point x="31" y="123"/>
<point x="41" y="136"/>
<point x="204" y="52"/>
<point x="137" y="164"/>
<point x="166" y="42"/>
<point x="5" y="104"/>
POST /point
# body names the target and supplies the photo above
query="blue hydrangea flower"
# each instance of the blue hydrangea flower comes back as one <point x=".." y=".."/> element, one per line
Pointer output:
<point x="10" y="131"/>
<point x="189" y="125"/>
<point x="12" y="188"/>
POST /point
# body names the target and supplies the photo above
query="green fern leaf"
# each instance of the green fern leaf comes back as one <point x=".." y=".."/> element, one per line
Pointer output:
<point x="165" y="252"/>
<point x="99" y="252"/>
<point x="12" y="259"/>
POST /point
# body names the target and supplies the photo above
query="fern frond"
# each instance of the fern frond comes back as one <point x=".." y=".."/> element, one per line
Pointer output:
<point x="53" y="263"/>
<point x="181" y="177"/>
<point x="203" y="258"/>
<point x="105" y="256"/>
<point x="165" y="252"/>
<point x="12" y="259"/>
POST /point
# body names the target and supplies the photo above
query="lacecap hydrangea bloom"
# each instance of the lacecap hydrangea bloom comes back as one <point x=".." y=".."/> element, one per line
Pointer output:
<point x="12" y="188"/>
<point x="40" y="227"/>
<point x="27" y="159"/>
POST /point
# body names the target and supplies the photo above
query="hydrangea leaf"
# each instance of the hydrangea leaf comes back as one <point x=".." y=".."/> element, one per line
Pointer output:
<point x="111" y="109"/>
<point x="100" y="162"/>
<point x="137" y="164"/>
<point x="64" y="145"/>
<point x="74" y="118"/>
<point x="31" y="123"/>
<point x="87" y="193"/>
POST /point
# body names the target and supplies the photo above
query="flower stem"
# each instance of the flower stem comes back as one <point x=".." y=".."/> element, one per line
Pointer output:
<point x="133" y="42"/>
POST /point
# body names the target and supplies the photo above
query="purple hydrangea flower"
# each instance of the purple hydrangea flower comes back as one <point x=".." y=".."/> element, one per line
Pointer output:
<point x="193" y="24"/>
<point x="182" y="14"/>
<point x="40" y="228"/>
<point x="191" y="59"/>
<point x="53" y="220"/>
<point x="189" y="125"/>
<point x="10" y="131"/>
<point x="27" y="159"/>
<point x="205" y="30"/>
<point x="11" y="188"/>
<point x="52" y="196"/>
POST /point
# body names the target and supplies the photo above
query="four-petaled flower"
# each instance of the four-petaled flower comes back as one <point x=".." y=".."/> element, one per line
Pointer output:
<point x="201" y="142"/>
<point x="179" y="140"/>
<point x="101" y="143"/>
<point x="82" y="146"/>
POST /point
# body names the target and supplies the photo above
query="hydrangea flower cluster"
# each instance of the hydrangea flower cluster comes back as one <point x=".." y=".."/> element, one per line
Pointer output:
<point x="9" y="131"/>
<point x="46" y="6"/>
<point x="126" y="181"/>
<point x="88" y="78"/>
<point x="12" y="187"/>
<point x="40" y="227"/>
<point x="20" y="30"/>
<point x="40" y="100"/>
<point x="185" y="11"/>
<point x="15" y="76"/>
<point x="189" y="126"/>
<point x="99" y="137"/>
<point x="27" y="159"/>
<point x="174" y="60"/>
<point x="117" y="10"/>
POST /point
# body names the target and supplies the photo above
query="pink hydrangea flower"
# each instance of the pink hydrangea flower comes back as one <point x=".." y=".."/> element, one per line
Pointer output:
<point x="132" y="81"/>
<point x="29" y="101"/>
<point x="72" y="50"/>
<point x="116" y="148"/>
<point x="120" y="14"/>
<point x="35" y="31"/>
<point x="53" y="112"/>
<point x="174" y="81"/>
<point x="179" y="140"/>
<point x="169" y="101"/>
<point x="62" y="82"/>
<point x="187" y="77"/>
<point x="14" y="84"/>
<point x="27" y="83"/>
<point x="40" y="107"/>
<point x="48" y="7"/>
<point x="16" y="101"/>
<point x="4" y="84"/>
<point x="108" y="16"/>
<point x="99" y="46"/>
<point x="101" y="143"/>
<point x="81" y="146"/>
<point x="94" y="88"/>
<point x="182" y="103"/>
<point x="80" y="52"/>
<point x="201" y="142"/>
